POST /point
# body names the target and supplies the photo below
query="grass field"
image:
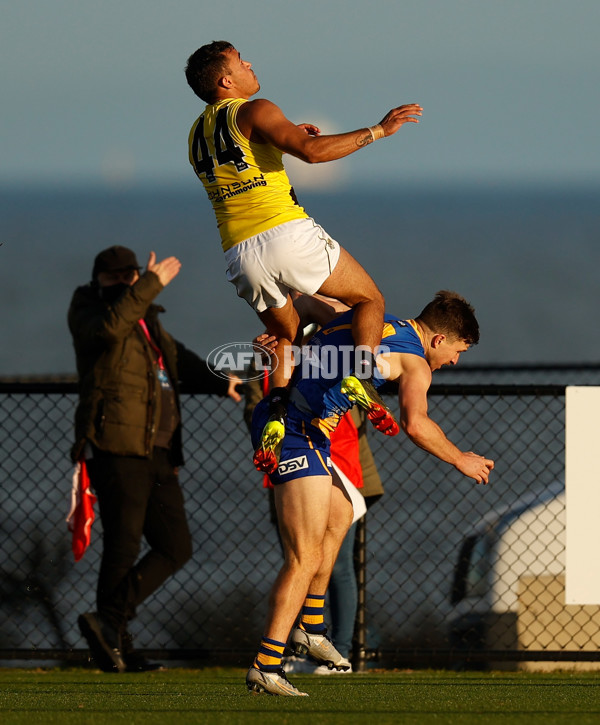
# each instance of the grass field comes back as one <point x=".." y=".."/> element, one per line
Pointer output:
<point x="86" y="697"/>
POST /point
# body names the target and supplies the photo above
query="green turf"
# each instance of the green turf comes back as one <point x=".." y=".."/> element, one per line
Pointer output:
<point x="181" y="696"/>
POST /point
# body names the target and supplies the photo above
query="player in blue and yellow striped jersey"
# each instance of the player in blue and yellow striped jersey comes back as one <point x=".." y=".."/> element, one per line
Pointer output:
<point x="313" y="512"/>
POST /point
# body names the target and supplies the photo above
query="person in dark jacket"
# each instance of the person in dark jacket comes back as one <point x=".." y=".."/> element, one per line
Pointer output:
<point x="128" y="436"/>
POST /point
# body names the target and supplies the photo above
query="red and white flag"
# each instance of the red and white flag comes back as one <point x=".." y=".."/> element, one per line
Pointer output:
<point x="81" y="516"/>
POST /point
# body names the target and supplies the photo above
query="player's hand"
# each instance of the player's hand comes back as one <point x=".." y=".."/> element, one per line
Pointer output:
<point x="310" y="129"/>
<point x="232" y="392"/>
<point x="475" y="466"/>
<point x="166" y="270"/>
<point x="264" y="345"/>
<point x="397" y="117"/>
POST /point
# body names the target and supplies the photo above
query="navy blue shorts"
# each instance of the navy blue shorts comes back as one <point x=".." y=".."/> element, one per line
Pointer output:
<point x="305" y="450"/>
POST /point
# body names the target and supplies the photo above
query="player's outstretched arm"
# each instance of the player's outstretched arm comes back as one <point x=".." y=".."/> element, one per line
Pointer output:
<point x="263" y="122"/>
<point x="426" y="433"/>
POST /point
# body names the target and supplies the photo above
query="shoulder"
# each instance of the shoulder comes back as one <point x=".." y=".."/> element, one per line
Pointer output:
<point x="86" y="291"/>
<point x="84" y="296"/>
<point x="404" y="366"/>
<point x="258" y="110"/>
<point x="401" y="336"/>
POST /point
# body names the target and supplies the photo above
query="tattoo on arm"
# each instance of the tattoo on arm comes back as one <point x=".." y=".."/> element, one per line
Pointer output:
<point x="364" y="140"/>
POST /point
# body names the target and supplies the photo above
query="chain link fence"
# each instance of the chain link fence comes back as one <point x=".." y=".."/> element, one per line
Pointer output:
<point x="455" y="573"/>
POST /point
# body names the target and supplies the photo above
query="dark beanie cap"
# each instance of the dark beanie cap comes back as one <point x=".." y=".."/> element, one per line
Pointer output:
<point x="114" y="259"/>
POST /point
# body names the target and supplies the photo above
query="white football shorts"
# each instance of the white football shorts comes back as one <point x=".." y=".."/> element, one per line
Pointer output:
<point x="298" y="255"/>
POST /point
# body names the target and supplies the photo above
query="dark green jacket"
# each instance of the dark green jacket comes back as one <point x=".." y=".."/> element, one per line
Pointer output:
<point x="119" y="393"/>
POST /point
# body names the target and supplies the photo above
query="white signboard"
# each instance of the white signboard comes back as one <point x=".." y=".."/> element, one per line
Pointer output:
<point x="582" y="471"/>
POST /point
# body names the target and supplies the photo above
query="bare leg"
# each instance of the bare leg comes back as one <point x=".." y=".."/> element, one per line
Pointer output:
<point x="340" y="520"/>
<point x="313" y="519"/>
<point x="351" y="284"/>
<point x="283" y="323"/>
<point x="303" y="514"/>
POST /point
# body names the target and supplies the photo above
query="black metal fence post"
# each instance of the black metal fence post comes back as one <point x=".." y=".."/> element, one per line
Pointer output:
<point x="359" y="650"/>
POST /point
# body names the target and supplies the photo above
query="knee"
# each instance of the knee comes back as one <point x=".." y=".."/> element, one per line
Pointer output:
<point x="281" y="322"/>
<point x="370" y="295"/>
<point x="120" y="549"/>
<point x="378" y="298"/>
<point x="285" y="333"/>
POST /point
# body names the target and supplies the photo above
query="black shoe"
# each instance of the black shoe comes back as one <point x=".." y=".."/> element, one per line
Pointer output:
<point x="134" y="661"/>
<point x="103" y="640"/>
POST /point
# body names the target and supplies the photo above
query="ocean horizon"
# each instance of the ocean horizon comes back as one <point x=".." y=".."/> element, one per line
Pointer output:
<point x="525" y="257"/>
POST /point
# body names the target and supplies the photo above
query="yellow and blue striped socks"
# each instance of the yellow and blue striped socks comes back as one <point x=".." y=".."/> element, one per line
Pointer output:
<point x="312" y="619"/>
<point x="270" y="654"/>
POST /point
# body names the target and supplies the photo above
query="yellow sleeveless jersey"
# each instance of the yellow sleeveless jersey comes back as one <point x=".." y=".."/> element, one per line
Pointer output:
<point x="246" y="182"/>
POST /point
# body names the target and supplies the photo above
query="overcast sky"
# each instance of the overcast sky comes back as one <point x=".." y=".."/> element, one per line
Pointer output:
<point x="95" y="91"/>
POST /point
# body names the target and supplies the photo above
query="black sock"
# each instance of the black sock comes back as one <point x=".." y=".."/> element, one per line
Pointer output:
<point x="278" y="399"/>
<point x="365" y="366"/>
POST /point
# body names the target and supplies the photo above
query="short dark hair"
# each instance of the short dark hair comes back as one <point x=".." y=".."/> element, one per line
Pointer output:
<point x="205" y="67"/>
<point x="450" y="314"/>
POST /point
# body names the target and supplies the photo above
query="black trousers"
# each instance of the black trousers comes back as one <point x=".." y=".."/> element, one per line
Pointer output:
<point x="137" y="497"/>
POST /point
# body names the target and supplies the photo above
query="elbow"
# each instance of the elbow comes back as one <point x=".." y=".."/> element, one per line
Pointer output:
<point x="315" y="157"/>
<point x="316" y="154"/>
<point x="412" y="428"/>
<point x="309" y="157"/>
<point x="310" y="153"/>
<point x="407" y="428"/>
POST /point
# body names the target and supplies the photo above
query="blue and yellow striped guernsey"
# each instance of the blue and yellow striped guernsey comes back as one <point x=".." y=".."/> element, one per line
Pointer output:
<point x="318" y="383"/>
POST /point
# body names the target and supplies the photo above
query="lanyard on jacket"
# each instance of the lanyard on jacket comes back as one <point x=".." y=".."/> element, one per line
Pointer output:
<point x="153" y="345"/>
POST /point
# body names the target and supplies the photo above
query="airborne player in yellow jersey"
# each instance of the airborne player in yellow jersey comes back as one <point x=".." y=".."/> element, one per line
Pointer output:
<point x="271" y="245"/>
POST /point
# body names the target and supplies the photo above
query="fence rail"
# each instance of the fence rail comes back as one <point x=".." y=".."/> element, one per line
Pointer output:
<point x="451" y="573"/>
